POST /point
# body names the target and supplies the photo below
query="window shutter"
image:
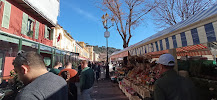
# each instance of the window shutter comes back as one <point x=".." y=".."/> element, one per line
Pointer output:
<point x="36" y="30"/>
<point x="6" y="15"/>
<point x="45" y="31"/>
<point x="51" y="34"/>
<point x="24" y="24"/>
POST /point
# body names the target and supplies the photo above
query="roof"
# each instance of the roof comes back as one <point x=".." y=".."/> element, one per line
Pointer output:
<point x="191" y="20"/>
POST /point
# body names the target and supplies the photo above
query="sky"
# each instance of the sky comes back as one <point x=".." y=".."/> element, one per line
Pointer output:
<point x="82" y="19"/>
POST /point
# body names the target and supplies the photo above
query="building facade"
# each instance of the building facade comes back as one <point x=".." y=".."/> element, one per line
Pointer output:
<point x="95" y="57"/>
<point x="90" y="50"/>
<point x="24" y="25"/>
<point x="84" y="54"/>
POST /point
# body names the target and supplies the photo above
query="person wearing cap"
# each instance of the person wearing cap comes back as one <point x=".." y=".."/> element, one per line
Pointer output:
<point x="71" y="76"/>
<point x="171" y="86"/>
<point x="72" y="88"/>
<point x="73" y="72"/>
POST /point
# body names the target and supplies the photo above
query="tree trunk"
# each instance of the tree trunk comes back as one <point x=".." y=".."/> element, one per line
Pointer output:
<point x="125" y="58"/>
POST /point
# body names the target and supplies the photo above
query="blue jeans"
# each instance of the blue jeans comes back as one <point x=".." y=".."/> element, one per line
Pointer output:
<point x="86" y="94"/>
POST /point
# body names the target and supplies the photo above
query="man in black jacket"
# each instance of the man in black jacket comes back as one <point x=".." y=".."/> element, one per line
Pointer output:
<point x="171" y="86"/>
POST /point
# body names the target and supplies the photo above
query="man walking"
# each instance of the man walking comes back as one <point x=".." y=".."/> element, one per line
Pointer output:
<point x="55" y="69"/>
<point x="86" y="80"/>
<point x="39" y="83"/>
<point x="171" y="86"/>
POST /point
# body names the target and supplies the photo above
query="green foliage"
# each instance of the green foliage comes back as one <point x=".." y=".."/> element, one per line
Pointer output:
<point x="30" y="33"/>
<point x="16" y="83"/>
<point x="75" y="64"/>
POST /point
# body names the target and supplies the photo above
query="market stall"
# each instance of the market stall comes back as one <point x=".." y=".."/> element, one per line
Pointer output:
<point x="192" y="42"/>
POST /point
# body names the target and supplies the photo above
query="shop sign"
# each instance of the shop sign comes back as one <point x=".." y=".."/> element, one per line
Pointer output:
<point x="64" y="53"/>
<point x="9" y="39"/>
<point x="45" y="48"/>
<point x="58" y="51"/>
<point x="33" y="45"/>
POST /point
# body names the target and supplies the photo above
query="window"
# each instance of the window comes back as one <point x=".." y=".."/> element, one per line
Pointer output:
<point x="210" y="32"/>
<point x="195" y="36"/>
<point x="183" y="38"/>
<point x="27" y="25"/>
<point x="47" y="34"/>
<point x="30" y="24"/>
<point x="167" y="43"/>
<point x="161" y="45"/>
<point x="174" y="41"/>
<point x="156" y="46"/>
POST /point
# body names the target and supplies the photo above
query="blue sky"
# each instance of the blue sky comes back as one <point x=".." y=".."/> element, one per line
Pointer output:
<point x="82" y="19"/>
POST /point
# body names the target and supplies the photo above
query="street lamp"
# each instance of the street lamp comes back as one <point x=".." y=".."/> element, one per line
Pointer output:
<point x="106" y="35"/>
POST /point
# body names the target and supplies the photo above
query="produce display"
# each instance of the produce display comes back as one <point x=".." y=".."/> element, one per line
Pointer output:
<point x="140" y="74"/>
<point x="144" y="72"/>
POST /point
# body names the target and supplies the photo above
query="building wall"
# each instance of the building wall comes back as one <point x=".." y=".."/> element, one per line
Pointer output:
<point x="90" y="50"/>
<point x="61" y="40"/>
<point x="15" y="23"/>
<point x="12" y="38"/>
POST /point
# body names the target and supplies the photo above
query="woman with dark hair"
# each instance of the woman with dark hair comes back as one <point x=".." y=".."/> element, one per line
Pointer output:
<point x="72" y="88"/>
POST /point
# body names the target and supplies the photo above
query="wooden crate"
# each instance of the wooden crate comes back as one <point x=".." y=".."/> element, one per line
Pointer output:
<point x="134" y="98"/>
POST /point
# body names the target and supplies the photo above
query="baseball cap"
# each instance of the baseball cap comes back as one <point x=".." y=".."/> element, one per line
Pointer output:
<point x="166" y="59"/>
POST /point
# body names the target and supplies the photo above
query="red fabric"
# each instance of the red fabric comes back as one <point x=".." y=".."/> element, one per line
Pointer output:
<point x="71" y="71"/>
<point x="58" y="38"/>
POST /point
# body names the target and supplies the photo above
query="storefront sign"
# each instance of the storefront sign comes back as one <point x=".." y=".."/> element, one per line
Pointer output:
<point x="9" y="39"/>
<point x="33" y="45"/>
<point x="58" y="51"/>
<point x="45" y="48"/>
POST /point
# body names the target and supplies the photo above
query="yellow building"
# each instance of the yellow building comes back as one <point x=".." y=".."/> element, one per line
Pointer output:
<point x="90" y="50"/>
<point x="95" y="57"/>
<point x="81" y="49"/>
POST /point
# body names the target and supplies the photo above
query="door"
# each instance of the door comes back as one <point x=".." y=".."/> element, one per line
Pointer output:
<point x="1" y="62"/>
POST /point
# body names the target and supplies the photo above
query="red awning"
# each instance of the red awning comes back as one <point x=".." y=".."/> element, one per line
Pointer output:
<point x="195" y="50"/>
<point x="190" y="48"/>
<point x="120" y="55"/>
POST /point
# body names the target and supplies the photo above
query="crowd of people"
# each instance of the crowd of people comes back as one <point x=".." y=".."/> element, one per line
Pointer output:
<point x="59" y="83"/>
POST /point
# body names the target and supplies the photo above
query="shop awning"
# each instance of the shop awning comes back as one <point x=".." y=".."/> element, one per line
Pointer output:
<point x="120" y="55"/>
<point x="82" y="58"/>
<point x="186" y="36"/>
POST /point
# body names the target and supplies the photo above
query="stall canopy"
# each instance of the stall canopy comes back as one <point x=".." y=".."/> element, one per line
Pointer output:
<point x="189" y="37"/>
<point x="82" y="58"/>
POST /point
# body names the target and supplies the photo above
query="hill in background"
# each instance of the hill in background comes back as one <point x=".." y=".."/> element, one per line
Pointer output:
<point x="102" y="51"/>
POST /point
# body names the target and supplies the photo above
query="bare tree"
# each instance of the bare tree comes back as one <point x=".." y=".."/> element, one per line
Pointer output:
<point x="170" y="12"/>
<point x="127" y="14"/>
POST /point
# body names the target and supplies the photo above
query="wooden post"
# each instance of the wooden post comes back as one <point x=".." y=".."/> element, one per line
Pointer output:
<point x="173" y="52"/>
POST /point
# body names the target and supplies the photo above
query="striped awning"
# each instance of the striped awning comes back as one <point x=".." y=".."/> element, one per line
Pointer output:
<point x="195" y="53"/>
<point x="120" y="55"/>
<point x="186" y="36"/>
<point x="82" y="58"/>
<point x="191" y="48"/>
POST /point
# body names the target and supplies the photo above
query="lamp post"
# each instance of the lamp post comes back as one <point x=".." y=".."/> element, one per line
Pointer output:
<point x="106" y="35"/>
